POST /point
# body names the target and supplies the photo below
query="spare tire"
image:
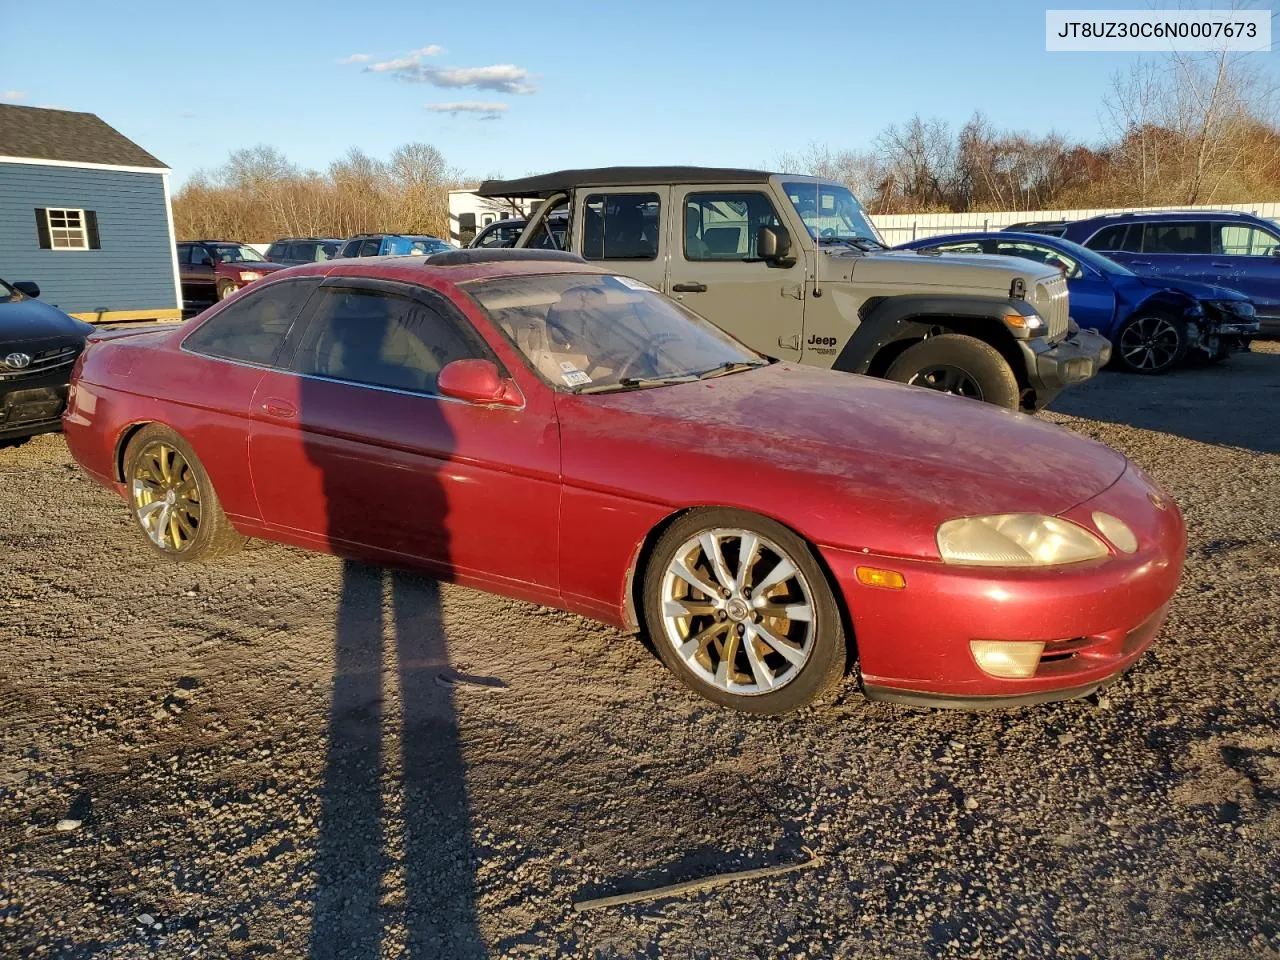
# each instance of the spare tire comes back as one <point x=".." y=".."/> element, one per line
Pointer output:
<point x="959" y="365"/>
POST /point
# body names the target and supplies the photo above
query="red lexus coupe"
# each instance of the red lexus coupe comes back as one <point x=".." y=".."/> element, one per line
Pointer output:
<point x="532" y="425"/>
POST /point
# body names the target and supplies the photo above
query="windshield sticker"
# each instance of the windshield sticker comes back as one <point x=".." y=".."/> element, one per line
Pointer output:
<point x="633" y="284"/>
<point x="574" y="378"/>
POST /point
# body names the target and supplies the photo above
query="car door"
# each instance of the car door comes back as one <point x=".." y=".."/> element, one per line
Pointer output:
<point x="715" y="271"/>
<point x="198" y="274"/>
<point x="1173" y="249"/>
<point x="623" y="228"/>
<point x="1091" y="296"/>
<point x="1246" y="257"/>
<point x="352" y="446"/>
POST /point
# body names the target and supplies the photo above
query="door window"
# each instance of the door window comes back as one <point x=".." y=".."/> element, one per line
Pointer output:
<point x="252" y="329"/>
<point x="723" y="226"/>
<point x="1120" y="236"/>
<point x="1240" y="240"/>
<point x="200" y="257"/>
<point x="960" y="246"/>
<point x="381" y="339"/>
<point x="369" y="248"/>
<point x="184" y="253"/>
<point x="1175" y="238"/>
<point x="1040" y="254"/>
<point x="620" y="226"/>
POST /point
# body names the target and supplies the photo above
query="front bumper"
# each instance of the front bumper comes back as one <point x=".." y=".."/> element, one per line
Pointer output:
<point x="1095" y="618"/>
<point x="32" y="405"/>
<point x="1052" y="367"/>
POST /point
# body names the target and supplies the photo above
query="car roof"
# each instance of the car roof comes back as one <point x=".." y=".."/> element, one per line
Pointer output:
<point x="545" y="184"/>
<point x="1158" y="215"/>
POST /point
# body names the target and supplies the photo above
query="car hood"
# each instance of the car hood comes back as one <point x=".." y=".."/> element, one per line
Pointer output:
<point x="921" y="271"/>
<point x="31" y="321"/>
<point x="847" y="460"/>
<point x="1201" y="291"/>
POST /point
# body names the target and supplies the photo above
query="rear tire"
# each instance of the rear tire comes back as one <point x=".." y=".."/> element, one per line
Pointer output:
<point x="960" y="365"/>
<point x="763" y="636"/>
<point x="172" y="499"/>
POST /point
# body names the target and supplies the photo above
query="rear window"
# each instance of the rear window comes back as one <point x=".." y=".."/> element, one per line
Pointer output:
<point x="252" y="329"/>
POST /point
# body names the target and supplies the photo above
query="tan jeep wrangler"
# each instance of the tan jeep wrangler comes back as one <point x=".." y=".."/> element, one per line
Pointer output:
<point x="793" y="267"/>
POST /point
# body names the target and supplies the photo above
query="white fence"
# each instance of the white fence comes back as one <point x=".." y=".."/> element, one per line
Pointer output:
<point x="903" y="227"/>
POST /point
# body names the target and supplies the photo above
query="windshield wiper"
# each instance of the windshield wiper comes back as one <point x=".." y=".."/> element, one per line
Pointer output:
<point x="633" y="383"/>
<point x="731" y="366"/>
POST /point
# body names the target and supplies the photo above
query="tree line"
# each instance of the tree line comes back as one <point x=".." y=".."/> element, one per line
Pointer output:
<point x="1187" y="129"/>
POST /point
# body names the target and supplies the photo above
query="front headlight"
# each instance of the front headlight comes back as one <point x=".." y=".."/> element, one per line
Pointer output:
<point x="248" y="275"/>
<point x="1235" y="308"/>
<point x="1016" y="540"/>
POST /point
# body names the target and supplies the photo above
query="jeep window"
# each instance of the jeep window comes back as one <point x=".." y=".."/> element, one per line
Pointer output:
<point x="1040" y="254"/>
<point x="583" y="333"/>
<point x="237" y="253"/>
<point x="1242" y="240"/>
<point x="1118" y="236"/>
<point x="1175" y="238"/>
<point x="723" y="226"/>
<point x="620" y="226"/>
<point x="831" y="211"/>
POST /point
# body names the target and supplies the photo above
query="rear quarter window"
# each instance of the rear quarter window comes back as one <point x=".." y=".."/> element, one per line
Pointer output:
<point x="253" y="328"/>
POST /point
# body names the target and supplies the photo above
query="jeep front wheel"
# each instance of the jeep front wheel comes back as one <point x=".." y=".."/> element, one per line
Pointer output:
<point x="959" y="365"/>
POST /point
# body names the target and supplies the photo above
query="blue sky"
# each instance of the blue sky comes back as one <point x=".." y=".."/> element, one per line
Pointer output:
<point x="574" y="84"/>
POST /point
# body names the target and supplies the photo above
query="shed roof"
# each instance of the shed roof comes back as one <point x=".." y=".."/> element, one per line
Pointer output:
<point x="36" y="133"/>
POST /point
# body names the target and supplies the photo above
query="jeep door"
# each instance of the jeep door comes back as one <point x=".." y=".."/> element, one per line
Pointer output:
<point x="623" y="228"/>
<point x="715" y="271"/>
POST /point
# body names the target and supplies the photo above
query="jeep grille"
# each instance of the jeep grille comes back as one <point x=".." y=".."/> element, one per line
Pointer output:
<point x="1052" y="303"/>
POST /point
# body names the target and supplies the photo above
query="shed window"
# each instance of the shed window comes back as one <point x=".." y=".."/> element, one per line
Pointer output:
<point x="65" y="229"/>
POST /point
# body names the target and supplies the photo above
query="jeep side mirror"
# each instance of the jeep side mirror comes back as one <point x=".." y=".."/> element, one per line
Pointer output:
<point x="772" y="244"/>
<point x="28" y="288"/>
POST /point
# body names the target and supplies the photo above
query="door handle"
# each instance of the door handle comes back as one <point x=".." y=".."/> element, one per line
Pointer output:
<point x="279" y="409"/>
<point x="1139" y="263"/>
<point x="1217" y="263"/>
<point x="689" y="287"/>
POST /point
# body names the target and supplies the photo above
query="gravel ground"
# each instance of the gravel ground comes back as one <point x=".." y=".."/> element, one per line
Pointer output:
<point x="262" y="759"/>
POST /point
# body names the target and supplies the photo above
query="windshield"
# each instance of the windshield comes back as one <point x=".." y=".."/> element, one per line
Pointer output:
<point x="238" y="254"/>
<point x="8" y="293"/>
<point x="583" y="332"/>
<point x="830" y="210"/>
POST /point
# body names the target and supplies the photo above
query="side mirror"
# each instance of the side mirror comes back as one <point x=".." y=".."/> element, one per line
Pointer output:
<point x="477" y="381"/>
<point x="28" y="288"/>
<point x="773" y="244"/>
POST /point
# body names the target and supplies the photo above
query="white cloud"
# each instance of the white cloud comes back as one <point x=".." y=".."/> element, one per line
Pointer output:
<point x="356" y="58"/>
<point x="485" y="111"/>
<point x="13" y="96"/>
<point x="498" y="77"/>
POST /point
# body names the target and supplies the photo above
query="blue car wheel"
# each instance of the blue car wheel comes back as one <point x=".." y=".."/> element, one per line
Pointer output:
<point x="1150" y="343"/>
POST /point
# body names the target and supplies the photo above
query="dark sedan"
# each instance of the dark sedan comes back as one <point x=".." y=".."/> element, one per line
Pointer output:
<point x="38" y="345"/>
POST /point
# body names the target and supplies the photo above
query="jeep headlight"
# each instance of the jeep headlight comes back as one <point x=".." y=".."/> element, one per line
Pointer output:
<point x="1016" y="540"/>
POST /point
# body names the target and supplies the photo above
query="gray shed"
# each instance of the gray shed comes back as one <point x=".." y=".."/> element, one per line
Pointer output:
<point x="84" y="212"/>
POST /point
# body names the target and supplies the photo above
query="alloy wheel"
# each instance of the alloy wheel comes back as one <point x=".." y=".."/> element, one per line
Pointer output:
<point x="166" y="497"/>
<point x="948" y="379"/>
<point x="738" y="611"/>
<point x="1150" y="343"/>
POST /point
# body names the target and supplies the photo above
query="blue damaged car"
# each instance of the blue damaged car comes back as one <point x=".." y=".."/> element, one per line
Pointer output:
<point x="1225" y="248"/>
<point x="1153" y="323"/>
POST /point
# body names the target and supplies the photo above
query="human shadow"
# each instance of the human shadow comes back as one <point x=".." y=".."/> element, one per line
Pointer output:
<point x="372" y="458"/>
<point x="1228" y="404"/>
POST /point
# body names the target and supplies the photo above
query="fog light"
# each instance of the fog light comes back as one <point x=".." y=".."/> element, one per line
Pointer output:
<point x="1007" y="658"/>
<point x="875" y="577"/>
<point x="1117" y="531"/>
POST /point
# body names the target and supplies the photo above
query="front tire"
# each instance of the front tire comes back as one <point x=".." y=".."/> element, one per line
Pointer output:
<point x="172" y="499"/>
<point x="959" y="365"/>
<point x="225" y="289"/>
<point x="739" y="609"/>
<point x="1150" y="344"/>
